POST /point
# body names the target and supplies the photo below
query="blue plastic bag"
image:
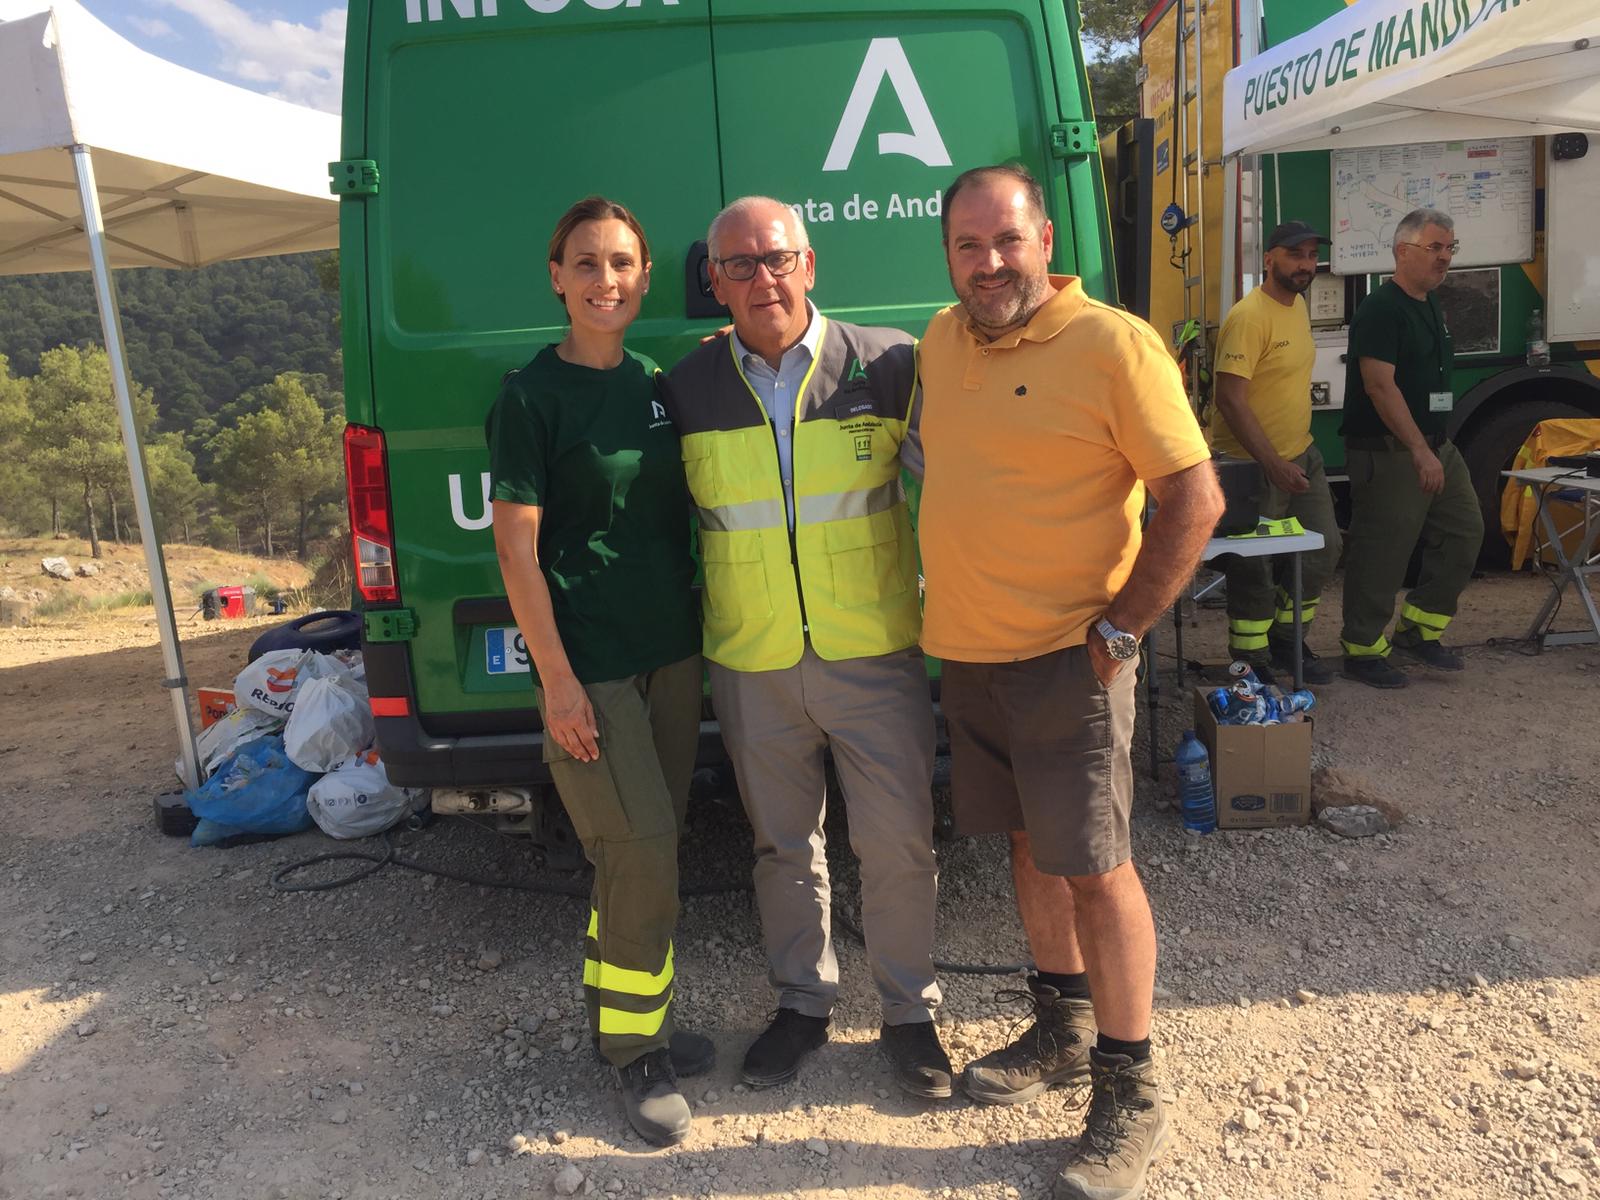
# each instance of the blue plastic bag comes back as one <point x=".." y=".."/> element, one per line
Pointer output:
<point x="256" y="791"/>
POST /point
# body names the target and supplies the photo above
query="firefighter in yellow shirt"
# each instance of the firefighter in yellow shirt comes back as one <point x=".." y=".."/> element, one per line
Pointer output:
<point x="1263" y="394"/>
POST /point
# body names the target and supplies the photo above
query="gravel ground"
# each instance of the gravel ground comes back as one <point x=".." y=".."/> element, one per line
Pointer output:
<point x="1409" y="1015"/>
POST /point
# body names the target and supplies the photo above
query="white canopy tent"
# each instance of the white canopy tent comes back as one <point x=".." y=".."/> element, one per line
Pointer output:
<point x="1393" y="72"/>
<point x="111" y="157"/>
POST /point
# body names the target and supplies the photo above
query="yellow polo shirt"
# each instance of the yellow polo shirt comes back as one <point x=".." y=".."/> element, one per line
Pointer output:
<point x="1270" y="345"/>
<point x="1035" y="447"/>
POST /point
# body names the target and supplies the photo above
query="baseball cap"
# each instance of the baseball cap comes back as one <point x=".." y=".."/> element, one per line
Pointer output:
<point x="1292" y="233"/>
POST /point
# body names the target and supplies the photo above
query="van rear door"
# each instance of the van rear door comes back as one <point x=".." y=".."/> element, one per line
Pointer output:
<point x="863" y="114"/>
<point x="484" y="122"/>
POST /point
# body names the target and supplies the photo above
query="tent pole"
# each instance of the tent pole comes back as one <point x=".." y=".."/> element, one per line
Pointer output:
<point x="105" y="293"/>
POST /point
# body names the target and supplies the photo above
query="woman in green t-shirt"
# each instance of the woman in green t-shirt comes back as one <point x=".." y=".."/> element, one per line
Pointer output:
<point x="591" y="522"/>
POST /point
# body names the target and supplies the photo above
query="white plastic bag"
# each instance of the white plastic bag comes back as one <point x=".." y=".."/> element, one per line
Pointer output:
<point x="272" y="683"/>
<point x="331" y="722"/>
<point x="225" y="735"/>
<point x="356" y="799"/>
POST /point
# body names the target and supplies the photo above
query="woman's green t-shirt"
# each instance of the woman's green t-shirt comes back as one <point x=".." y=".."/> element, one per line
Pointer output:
<point x="594" y="449"/>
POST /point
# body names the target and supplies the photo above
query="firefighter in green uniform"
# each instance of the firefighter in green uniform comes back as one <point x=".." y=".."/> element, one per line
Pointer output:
<point x="591" y="523"/>
<point x="1408" y="483"/>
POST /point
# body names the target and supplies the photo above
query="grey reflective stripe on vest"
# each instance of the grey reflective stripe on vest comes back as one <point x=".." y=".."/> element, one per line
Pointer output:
<point x="839" y="506"/>
<point x="753" y="514"/>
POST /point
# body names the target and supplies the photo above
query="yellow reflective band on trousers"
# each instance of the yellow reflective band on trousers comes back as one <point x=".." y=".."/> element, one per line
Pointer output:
<point x="1378" y="649"/>
<point x="1430" y="627"/>
<point x="1285" y="611"/>
<point x="624" y="985"/>
<point x="1248" y="635"/>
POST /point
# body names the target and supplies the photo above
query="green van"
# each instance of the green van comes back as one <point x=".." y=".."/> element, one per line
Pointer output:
<point x="470" y="125"/>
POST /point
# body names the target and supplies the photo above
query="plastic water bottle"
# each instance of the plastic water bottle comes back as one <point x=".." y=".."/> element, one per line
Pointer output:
<point x="1195" y="796"/>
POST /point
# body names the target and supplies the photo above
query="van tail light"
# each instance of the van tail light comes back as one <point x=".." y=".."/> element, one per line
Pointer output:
<point x="366" y="469"/>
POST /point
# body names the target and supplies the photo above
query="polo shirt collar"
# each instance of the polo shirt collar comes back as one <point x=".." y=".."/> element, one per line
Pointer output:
<point x="1050" y="320"/>
<point x="808" y="340"/>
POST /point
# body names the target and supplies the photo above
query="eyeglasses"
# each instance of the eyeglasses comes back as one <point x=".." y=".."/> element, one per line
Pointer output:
<point x="1436" y="247"/>
<point x="740" y="267"/>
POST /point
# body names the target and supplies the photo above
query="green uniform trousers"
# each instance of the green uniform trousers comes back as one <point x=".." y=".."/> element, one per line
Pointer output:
<point x="1390" y="515"/>
<point x="1260" y="590"/>
<point x="628" y="808"/>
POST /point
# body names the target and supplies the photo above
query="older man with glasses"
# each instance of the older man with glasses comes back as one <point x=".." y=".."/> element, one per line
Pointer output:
<point x="1408" y="483"/>
<point x="795" y="429"/>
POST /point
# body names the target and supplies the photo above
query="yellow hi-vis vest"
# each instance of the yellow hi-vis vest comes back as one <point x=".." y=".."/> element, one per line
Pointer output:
<point x="847" y="577"/>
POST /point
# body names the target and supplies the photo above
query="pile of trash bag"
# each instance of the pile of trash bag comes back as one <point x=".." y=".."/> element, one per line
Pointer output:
<point x="296" y="751"/>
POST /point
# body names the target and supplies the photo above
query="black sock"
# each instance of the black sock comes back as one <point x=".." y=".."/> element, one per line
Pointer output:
<point x="1137" y="1051"/>
<point x="1070" y="987"/>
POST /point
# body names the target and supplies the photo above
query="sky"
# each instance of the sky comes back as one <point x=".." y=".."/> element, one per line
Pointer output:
<point x="291" y="49"/>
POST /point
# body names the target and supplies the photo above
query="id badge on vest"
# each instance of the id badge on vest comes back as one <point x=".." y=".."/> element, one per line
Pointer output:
<point x="1441" y="402"/>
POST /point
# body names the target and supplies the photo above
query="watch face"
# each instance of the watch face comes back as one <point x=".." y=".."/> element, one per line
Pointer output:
<point x="1124" y="646"/>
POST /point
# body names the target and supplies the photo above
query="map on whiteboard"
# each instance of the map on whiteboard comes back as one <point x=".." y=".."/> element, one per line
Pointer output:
<point x="1487" y="186"/>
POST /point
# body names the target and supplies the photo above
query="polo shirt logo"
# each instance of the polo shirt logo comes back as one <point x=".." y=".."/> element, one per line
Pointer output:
<point x="857" y="371"/>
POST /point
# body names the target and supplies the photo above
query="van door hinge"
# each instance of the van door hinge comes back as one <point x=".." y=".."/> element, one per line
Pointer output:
<point x="1076" y="139"/>
<point x="389" y="624"/>
<point x="353" y="177"/>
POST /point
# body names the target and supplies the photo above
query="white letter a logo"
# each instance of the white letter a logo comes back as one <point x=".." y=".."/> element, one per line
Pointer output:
<point x="886" y="57"/>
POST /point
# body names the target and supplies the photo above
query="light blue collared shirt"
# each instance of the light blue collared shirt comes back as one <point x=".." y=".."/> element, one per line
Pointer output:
<point x="779" y="391"/>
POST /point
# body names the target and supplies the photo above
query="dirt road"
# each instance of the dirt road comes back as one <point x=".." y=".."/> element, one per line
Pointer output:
<point x="1413" y="1015"/>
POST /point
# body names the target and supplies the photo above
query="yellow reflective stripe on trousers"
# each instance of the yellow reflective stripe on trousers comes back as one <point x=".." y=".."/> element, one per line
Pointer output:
<point x="840" y="506"/>
<point x="625" y="980"/>
<point x="753" y="514"/>
<point x="1378" y="649"/>
<point x="1248" y="635"/>
<point x="594" y="924"/>
<point x="616" y="1021"/>
<point x="1429" y="626"/>
<point x="1308" y="613"/>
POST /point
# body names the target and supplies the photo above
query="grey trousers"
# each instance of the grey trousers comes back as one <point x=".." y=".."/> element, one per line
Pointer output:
<point x="876" y="716"/>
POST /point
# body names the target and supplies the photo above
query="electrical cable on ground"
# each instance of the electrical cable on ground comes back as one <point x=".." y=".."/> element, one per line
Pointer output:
<point x="375" y="860"/>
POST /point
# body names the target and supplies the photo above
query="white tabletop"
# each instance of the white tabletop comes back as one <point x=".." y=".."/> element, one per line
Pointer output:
<point x="1254" y="547"/>
<point x="1564" y="476"/>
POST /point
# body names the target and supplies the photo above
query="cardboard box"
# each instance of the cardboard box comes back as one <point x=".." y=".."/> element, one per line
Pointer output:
<point x="1261" y="773"/>
<point x="215" y="703"/>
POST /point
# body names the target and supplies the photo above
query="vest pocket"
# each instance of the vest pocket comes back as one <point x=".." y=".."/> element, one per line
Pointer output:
<point x="698" y="466"/>
<point x="736" y="574"/>
<point x="864" y="553"/>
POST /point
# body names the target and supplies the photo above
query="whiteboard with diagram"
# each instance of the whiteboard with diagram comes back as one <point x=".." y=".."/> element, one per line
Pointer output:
<point x="1487" y="186"/>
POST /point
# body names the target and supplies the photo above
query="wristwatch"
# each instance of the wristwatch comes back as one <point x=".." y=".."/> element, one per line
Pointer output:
<point x="1121" y="644"/>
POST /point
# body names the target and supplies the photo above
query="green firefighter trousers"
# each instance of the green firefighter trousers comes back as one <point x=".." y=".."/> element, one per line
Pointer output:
<point x="1390" y="515"/>
<point x="628" y="808"/>
<point x="1260" y="592"/>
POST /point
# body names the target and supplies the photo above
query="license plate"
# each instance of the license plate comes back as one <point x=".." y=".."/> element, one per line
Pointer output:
<point x="505" y="651"/>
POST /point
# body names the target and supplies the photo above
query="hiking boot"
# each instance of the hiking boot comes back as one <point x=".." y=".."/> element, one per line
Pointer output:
<point x="1430" y="654"/>
<point x="1313" y="667"/>
<point x="692" y="1053"/>
<point x="656" y="1108"/>
<point x="1125" y="1130"/>
<point x="774" y="1057"/>
<point x="1374" y="670"/>
<point x="1053" y="1049"/>
<point x="921" y="1067"/>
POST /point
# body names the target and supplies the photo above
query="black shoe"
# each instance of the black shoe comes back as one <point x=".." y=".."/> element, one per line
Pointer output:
<point x="692" y="1053"/>
<point x="1374" y="670"/>
<point x="1430" y="654"/>
<point x="774" y="1057"/>
<point x="921" y="1067"/>
<point x="1313" y="667"/>
<point x="656" y="1108"/>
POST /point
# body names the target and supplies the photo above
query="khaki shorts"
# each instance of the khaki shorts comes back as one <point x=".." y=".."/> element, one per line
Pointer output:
<point x="1040" y="745"/>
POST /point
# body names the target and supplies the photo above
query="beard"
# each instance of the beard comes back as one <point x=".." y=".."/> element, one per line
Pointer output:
<point x="1289" y="282"/>
<point x="1007" y="310"/>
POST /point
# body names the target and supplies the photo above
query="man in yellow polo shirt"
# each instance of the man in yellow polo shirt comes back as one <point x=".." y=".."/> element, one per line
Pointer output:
<point x="1263" y="387"/>
<point x="1046" y="417"/>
